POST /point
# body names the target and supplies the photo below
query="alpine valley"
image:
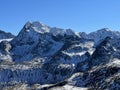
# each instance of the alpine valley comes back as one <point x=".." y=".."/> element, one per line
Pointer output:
<point x="41" y="57"/>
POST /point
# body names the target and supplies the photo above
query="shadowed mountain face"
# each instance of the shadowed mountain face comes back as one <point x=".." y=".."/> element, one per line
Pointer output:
<point x="44" y="57"/>
<point x="4" y="35"/>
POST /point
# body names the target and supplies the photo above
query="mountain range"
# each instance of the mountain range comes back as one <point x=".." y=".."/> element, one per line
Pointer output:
<point x="41" y="57"/>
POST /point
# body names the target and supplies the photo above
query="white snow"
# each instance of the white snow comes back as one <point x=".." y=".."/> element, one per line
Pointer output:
<point x="114" y="62"/>
<point x="69" y="87"/>
<point x="6" y="39"/>
<point x="74" y="54"/>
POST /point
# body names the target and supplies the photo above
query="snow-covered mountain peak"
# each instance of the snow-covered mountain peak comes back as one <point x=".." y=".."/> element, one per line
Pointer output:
<point x="36" y="24"/>
<point x="37" y="27"/>
<point x="101" y="34"/>
<point x="27" y="25"/>
<point x="103" y="30"/>
<point x="42" y="28"/>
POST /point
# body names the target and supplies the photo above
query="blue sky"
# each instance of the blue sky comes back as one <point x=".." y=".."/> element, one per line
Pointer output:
<point x="80" y="15"/>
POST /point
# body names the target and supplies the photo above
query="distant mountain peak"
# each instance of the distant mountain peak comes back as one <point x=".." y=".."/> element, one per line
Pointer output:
<point x="101" y="34"/>
<point x="104" y="29"/>
<point x="5" y="35"/>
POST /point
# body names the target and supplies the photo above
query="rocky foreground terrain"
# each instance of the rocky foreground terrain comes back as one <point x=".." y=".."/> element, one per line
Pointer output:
<point x="41" y="57"/>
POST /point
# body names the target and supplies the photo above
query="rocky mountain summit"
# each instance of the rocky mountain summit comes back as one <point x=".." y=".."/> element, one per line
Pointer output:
<point x="50" y="58"/>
